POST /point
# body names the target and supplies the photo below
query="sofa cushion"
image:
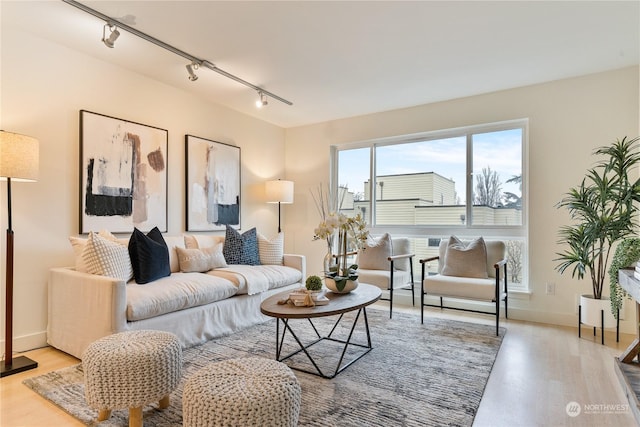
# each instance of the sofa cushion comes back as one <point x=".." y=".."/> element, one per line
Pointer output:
<point x="271" y="251"/>
<point x="149" y="256"/>
<point x="241" y="248"/>
<point x="176" y="292"/>
<point x="375" y="254"/>
<point x="199" y="241"/>
<point x="201" y="260"/>
<point x="173" y="243"/>
<point x="106" y="258"/>
<point x="253" y="279"/>
<point x="465" y="260"/>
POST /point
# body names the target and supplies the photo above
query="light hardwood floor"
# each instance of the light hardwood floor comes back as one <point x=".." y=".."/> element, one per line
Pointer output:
<point x="540" y="369"/>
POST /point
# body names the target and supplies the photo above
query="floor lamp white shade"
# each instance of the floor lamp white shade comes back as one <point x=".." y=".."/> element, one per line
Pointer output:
<point x="279" y="191"/>
<point x="19" y="161"/>
<point x="19" y="157"/>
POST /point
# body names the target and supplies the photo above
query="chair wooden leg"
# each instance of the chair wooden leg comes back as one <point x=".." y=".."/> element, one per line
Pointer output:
<point x="135" y="417"/>
<point x="104" y="414"/>
<point x="391" y="301"/>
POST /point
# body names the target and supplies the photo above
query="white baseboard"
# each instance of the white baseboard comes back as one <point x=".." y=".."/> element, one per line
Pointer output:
<point x="515" y="312"/>
<point x="28" y="342"/>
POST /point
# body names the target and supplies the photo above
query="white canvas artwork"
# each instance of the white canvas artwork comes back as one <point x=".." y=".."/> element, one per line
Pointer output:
<point x="213" y="184"/>
<point x="123" y="175"/>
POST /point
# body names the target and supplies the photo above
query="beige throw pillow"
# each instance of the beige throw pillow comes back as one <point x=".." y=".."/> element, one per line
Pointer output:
<point x="465" y="260"/>
<point x="375" y="254"/>
<point x="200" y="260"/>
<point x="78" y="244"/>
<point x="271" y="251"/>
<point x="107" y="258"/>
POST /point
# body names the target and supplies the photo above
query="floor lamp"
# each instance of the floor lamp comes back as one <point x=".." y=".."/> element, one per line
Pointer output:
<point x="279" y="192"/>
<point x="18" y="162"/>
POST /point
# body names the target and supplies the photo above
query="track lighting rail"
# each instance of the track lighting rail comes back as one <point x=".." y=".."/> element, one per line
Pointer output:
<point x="193" y="59"/>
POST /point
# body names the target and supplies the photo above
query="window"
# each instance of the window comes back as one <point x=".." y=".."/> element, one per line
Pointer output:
<point x="468" y="182"/>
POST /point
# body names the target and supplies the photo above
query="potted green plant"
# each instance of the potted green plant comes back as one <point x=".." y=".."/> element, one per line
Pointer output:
<point x="313" y="283"/>
<point x="626" y="255"/>
<point x="603" y="210"/>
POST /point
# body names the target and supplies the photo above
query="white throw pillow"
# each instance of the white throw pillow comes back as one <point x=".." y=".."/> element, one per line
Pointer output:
<point x="271" y="251"/>
<point x="78" y="244"/>
<point x="466" y="260"/>
<point x="201" y="260"/>
<point x="375" y="254"/>
<point x="107" y="258"/>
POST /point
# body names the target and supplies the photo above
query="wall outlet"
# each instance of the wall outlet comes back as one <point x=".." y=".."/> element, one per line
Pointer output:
<point x="550" y="288"/>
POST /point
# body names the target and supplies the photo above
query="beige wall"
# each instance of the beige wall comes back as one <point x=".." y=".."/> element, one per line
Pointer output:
<point x="43" y="87"/>
<point x="568" y="119"/>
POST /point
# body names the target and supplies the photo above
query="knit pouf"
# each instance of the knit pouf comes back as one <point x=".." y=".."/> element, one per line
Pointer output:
<point x="131" y="369"/>
<point x="253" y="391"/>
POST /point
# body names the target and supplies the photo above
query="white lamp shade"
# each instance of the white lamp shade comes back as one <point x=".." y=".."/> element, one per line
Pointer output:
<point x="279" y="191"/>
<point x="19" y="158"/>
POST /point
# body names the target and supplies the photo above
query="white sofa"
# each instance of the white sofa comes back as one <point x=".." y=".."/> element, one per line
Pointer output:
<point x="195" y="306"/>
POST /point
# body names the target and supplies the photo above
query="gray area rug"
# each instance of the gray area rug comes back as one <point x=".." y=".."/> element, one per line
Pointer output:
<point x="416" y="375"/>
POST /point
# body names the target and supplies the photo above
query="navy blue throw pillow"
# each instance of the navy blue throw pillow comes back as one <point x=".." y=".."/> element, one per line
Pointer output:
<point x="241" y="248"/>
<point x="149" y="256"/>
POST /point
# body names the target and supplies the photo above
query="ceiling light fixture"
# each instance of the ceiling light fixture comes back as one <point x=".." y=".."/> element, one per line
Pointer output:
<point x="111" y="22"/>
<point x="109" y="41"/>
<point x="190" y="67"/>
<point x="262" y="102"/>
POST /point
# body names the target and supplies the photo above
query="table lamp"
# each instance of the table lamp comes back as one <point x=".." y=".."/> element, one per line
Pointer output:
<point x="279" y="191"/>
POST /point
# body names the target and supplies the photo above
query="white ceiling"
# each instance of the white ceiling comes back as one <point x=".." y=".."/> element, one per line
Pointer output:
<point x="336" y="59"/>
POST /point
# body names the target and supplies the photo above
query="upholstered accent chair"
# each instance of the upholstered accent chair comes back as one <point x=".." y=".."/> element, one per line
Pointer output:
<point x="387" y="263"/>
<point x="474" y="270"/>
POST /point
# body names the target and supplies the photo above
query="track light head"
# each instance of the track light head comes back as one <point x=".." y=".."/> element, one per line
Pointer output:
<point x="192" y="75"/>
<point x="109" y="41"/>
<point x="262" y="102"/>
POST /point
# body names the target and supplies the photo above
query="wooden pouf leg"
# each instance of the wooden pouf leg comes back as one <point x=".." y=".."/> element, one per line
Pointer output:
<point x="104" y="414"/>
<point x="135" y="417"/>
<point x="164" y="402"/>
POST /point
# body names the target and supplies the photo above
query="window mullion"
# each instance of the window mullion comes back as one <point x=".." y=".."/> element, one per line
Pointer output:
<point x="469" y="180"/>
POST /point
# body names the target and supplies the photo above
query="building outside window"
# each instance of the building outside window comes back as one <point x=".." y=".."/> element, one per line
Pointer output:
<point x="466" y="182"/>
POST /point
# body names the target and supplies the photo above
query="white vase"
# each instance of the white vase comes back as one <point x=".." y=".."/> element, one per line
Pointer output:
<point x="348" y="287"/>
<point x="591" y="311"/>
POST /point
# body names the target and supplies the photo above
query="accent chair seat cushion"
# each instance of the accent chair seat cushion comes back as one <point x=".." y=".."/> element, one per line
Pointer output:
<point x="380" y="278"/>
<point x="460" y="287"/>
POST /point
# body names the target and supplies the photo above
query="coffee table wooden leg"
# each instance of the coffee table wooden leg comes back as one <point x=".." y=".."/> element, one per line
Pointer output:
<point x="135" y="417"/>
<point x="164" y="402"/>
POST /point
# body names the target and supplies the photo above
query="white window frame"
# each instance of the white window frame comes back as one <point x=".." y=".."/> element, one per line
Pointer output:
<point x="467" y="230"/>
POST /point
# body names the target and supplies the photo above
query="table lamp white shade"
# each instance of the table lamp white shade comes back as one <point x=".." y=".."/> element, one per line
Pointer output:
<point x="19" y="157"/>
<point x="279" y="191"/>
